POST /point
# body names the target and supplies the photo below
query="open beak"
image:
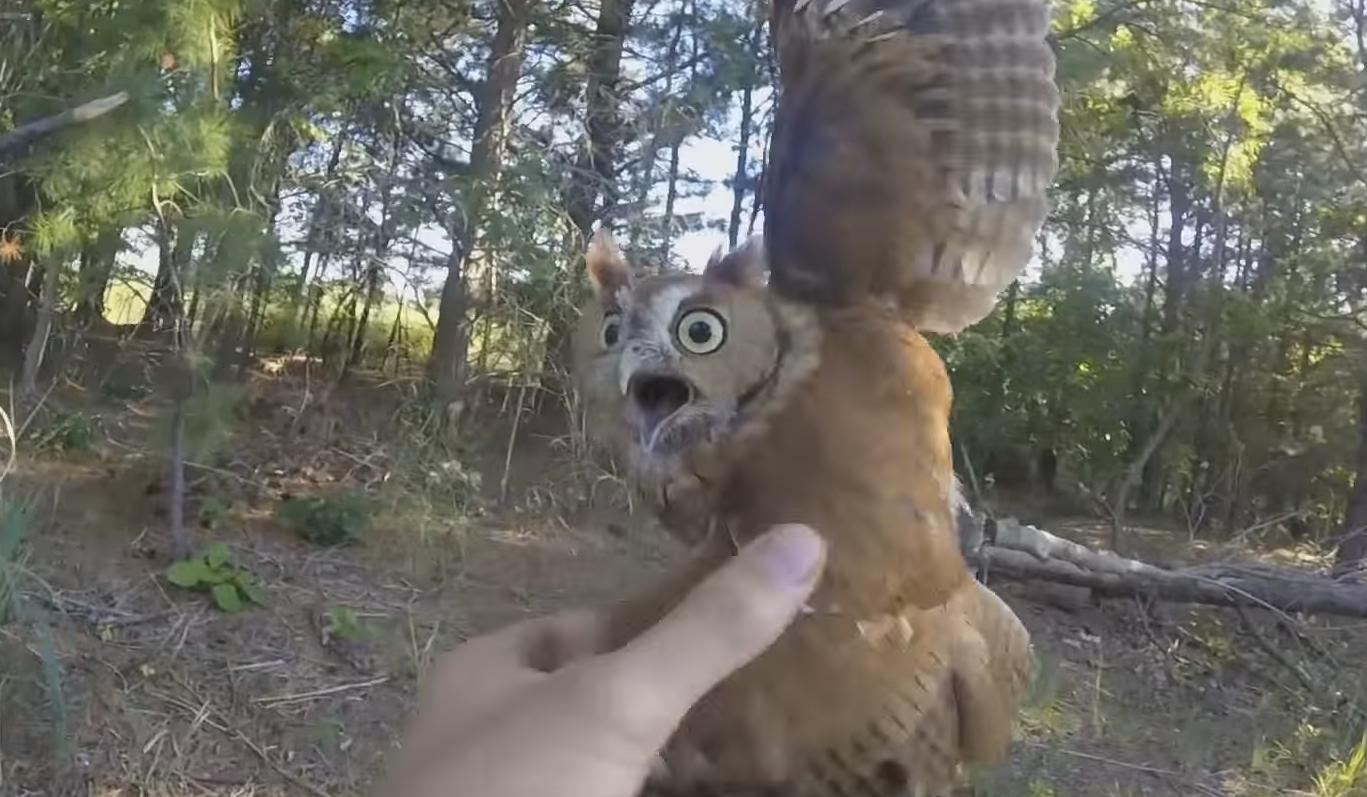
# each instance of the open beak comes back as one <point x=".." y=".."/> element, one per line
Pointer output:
<point x="654" y="399"/>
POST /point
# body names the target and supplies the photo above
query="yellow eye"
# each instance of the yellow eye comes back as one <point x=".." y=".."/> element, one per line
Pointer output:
<point x="612" y="329"/>
<point x="701" y="331"/>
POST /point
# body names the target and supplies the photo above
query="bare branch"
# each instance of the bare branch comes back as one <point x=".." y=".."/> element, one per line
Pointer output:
<point x="41" y="128"/>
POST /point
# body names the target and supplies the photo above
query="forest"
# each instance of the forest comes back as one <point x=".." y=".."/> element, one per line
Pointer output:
<point x="312" y="265"/>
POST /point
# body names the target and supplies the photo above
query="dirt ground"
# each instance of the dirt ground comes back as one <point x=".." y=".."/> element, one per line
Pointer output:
<point x="114" y="682"/>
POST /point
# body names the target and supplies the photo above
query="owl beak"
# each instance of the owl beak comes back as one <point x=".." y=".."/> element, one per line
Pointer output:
<point x="655" y="398"/>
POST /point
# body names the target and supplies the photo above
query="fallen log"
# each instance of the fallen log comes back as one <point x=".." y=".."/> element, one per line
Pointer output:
<point x="1219" y="585"/>
<point x="1010" y="549"/>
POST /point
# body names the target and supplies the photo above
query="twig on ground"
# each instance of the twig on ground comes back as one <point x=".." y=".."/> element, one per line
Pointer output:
<point x="1151" y="770"/>
<point x="259" y="665"/>
<point x="1277" y="655"/>
<point x="98" y="615"/>
<point x="279" y="700"/>
<point x="219" y="722"/>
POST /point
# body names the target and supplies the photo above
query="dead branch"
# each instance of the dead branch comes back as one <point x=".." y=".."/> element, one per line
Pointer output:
<point x="41" y="128"/>
<point x="1026" y="553"/>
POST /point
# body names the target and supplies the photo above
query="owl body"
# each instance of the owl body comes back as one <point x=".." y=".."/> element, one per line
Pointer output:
<point x="913" y="143"/>
<point x="871" y="692"/>
<point x="836" y="418"/>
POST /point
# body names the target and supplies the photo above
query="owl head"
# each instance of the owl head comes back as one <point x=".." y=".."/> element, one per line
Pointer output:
<point x="667" y="365"/>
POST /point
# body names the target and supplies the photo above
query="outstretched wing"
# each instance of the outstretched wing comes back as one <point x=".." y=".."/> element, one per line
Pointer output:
<point x="913" y="146"/>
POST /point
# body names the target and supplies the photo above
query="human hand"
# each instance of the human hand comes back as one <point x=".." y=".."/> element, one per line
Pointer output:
<point x="534" y="709"/>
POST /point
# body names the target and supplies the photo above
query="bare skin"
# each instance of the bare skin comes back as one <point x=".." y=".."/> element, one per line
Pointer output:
<point x="531" y="710"/>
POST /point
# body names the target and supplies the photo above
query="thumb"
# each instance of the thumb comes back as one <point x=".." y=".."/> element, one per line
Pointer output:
<point x="727" y="620"/>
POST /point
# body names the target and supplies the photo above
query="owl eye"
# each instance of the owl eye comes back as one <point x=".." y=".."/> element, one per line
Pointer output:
<point x="612" y="329"/>
<point x="701" y="331"/>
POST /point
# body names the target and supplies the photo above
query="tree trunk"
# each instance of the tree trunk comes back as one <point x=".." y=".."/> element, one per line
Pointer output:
<point x="671" y="196"/>
<point x="450" y="341"/>
<point x="676" y="144"/>
<point x="261" y="296"/>
<point x="196" y="293"/>
<point x="395" y="338"/>
<point x="596" y="167"/>
<point x="450" y="344"/>
<point x="166" y="304"/>
<point x="315" y="304"/>
<point x="1141" y="413"/>
<point x="14" y="309"/>
<point x="1351" y="555"/>
<point x="322" y="210"/>
<point x="741" y="183"/>
<point x="1179" y="207"/>
<point x="664" y="118"/>
<point x="37" y="347"/>
<point x="1174" y="290"/>
<point x="372" y="294"/>
<point x="1120" y="501"/>
<point x="175" y="488"/>
<point x="97" y="266"/>
<point x="17" y="199"/>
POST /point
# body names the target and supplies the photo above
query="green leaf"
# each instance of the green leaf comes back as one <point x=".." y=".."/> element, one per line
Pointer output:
<point x="253" y="593"/>
<point x="227" y="598"/>
<point x="188" y="573"/>
<point x="217" y="555"/>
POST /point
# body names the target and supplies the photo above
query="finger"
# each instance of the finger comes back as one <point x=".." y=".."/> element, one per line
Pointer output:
<point x="726" y="621"/>
<point x="473" y="681"/>
<point x="541" y="644"/>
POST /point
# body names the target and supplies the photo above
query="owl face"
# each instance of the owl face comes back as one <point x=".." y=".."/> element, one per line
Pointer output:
<point x="671" y="363"/>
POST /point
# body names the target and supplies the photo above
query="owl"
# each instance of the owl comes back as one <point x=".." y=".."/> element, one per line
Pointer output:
<point x="791" y="381"/>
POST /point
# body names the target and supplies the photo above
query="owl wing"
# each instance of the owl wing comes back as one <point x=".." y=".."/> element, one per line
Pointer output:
<point x="913" y="145"/>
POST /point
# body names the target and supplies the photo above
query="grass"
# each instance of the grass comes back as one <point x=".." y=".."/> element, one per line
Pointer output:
<point x="1344" y="777"/>
<point x="15" y="611"/>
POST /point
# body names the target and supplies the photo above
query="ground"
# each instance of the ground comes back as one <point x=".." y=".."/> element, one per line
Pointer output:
<point x="115" y="682"/>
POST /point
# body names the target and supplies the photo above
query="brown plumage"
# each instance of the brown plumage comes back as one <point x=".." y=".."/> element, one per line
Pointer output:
<point x="912" y="149"/>
<point x="913" y="146"/>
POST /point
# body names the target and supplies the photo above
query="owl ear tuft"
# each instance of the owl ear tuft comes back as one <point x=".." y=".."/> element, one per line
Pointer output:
<point x="608" y="270"/>
<point x="743" y="266"/>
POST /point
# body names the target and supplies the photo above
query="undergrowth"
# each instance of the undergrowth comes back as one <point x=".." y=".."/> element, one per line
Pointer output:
<point x="338" y="519"/>
<point x="213" y="571"/>
<point x="17" y="613"/>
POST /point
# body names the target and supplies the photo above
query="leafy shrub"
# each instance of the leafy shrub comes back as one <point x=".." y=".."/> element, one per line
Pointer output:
<point x="328" y="521"/>
<point x="212" y="510"/>
<point x="452" y="477"/>
<point x="213" y="571"/>
<point x="67" y="432"/>
<point x="341" y="622"/>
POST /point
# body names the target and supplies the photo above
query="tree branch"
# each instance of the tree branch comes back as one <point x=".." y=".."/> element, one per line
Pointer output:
<point x="41" y="128"/>
<point x="1339" y="145"/>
